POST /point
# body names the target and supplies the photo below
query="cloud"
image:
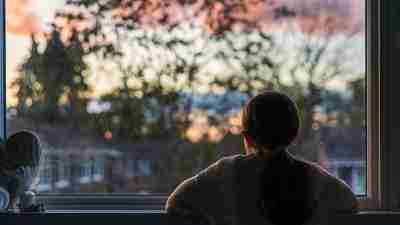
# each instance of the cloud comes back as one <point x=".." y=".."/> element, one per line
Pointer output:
<point x="339" y="15"/>
<point x="20" y="18"/>
<point x="311" y="15"/>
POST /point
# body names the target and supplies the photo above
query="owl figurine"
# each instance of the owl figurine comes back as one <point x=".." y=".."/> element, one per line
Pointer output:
<point x="20" y="158"/>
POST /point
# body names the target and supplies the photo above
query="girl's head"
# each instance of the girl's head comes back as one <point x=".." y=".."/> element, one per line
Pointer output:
<point x="270" y="122"/>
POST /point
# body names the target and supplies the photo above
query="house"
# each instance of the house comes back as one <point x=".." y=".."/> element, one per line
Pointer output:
<point x="346" y="153"/>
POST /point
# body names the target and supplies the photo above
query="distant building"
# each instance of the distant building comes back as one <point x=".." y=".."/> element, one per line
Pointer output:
<point x="346" y="152"/>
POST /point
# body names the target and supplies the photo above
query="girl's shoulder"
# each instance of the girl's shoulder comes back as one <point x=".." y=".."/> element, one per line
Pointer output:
<point x="220" y="168"/>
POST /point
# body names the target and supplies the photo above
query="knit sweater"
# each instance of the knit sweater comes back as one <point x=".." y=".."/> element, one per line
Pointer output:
<point x="229" y="192"/>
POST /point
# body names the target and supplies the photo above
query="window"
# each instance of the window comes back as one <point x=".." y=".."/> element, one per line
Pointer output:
<point x="98" y="169"/>
<point x="45" y="180"/>
<point x="144" y="168"/>
<point x="135" y="106"/>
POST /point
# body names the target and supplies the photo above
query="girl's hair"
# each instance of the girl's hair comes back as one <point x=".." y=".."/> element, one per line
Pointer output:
<point x="272" y="122"/>
<point x="286" y="191"/>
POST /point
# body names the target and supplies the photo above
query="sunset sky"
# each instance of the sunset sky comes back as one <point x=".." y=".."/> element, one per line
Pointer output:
<point x="24" y="17"/>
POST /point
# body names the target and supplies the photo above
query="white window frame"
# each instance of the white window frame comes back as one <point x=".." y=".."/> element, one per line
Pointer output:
<point x="381" y="179"/>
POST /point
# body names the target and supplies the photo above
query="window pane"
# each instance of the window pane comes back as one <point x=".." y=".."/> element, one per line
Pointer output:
<point x="136" y="96"/>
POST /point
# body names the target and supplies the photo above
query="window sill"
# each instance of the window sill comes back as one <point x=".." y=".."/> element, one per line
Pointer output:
<point x="143" y="217"/>
<point x="105" y="211"/>
<point x="103" y="202"/>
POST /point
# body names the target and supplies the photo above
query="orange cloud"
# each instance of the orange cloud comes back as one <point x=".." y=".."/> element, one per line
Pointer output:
<point x="20" y="19"/>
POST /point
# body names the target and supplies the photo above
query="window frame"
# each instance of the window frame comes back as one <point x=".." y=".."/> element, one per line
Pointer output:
<point x="3" y="105"/>
<point x="390" y="109"/>
<point x="378" y="132"/>
<point x="372" y="199"/>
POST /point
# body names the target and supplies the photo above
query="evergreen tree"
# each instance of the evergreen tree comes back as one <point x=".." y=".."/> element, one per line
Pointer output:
<point x="53" y="79"/>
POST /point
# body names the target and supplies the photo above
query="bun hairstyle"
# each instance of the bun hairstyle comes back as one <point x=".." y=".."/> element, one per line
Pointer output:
<point x="271" y="120"/>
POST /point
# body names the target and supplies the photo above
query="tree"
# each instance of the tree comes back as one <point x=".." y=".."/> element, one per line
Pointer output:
<point x="358" y="106"/>
<point x="27" y="93"/>
<point x="50" y="77"/>
<point x="266" y="62"/>
<point x="322" y="56"/>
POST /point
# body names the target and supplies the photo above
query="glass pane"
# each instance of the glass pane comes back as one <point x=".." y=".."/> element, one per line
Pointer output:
<point x="136" y="96"/>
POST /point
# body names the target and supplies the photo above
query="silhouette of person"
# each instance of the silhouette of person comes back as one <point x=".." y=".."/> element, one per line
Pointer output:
<point x="267" y="185"/>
